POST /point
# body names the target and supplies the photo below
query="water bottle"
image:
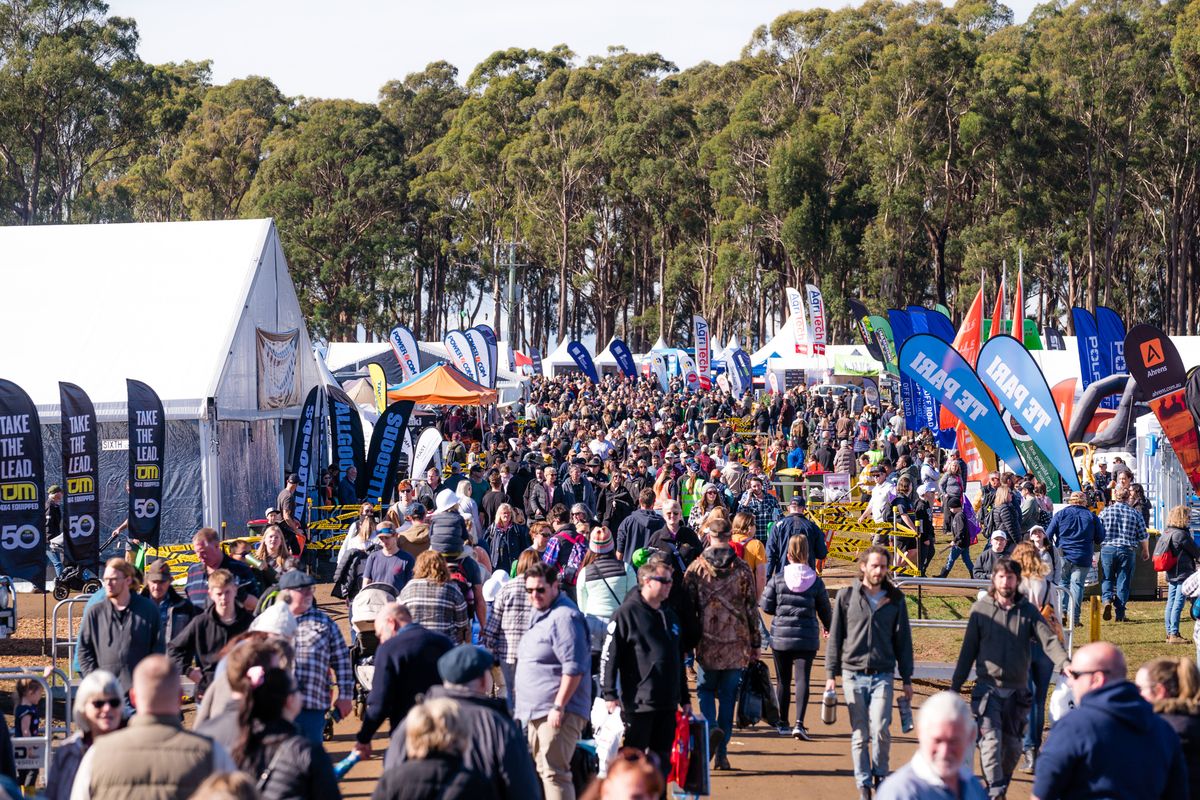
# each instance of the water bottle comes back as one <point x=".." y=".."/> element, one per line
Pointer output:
<point x="829" y="707"/>
<point x="906" y="719"/>
<point x="342" y="767"/>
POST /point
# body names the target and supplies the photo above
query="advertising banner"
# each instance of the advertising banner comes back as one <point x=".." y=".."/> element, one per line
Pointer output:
<point x="479" y="357"/>
<point x="866" y="331"/>
<point x="659" y="363"/>
<point x="147" y="454"/>
<point x="884" y="339"/>
<point x="700" y="341"/>
<point x="917" y="413"/>
<point x="624" y="357"/>
<point x="740" y="372"/>
<point x="81" y="477"/>
<point x="404" y="345"/>
<point x="1087" y="340"/>
<point x="1155" y="364"/>
<point x="306" y="446"/>
<point x="797" y="321"/>
<point x="816" y="314"/>
<point x="377" y="482"/>
<point x="1055" y="340"/>
<point x="944" y="373"/>
<point x="583" y="359"/>
<point x="489" y="351"/>
<point x="459" y="350"/>
<point x="1111" y="336"/>
<point x="345" y="431"/>
<point x="691" y="378"/>
<point x="22" y="478"/>
<point x="378" y="385"/>
<point x="1009" y="371"/>
<point x="535" y="355"/>
<point x="428" y="453"/>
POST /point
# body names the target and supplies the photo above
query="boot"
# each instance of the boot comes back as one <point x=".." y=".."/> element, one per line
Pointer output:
<point x="943" y="573"/>
<point x="1029" y="760"/>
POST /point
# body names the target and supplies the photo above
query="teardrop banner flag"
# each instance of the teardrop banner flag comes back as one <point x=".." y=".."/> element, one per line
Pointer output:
<point x="797" y="321"/>
<point x="624" y="357"/>
<point x="378" y="385"/>
<point x="866" y="332"/>
<point x="477" y="343"/>
<point x="22" y="478"/>
<point x="659" y="363"/>
<point x="691" y="378"/>
<point x="428" y="449"/>
<point x="147" y="455"/>
<point x="934" y="323"/>
<point x="535" y="355"/>
<point x="345" y="431"/>
<point x="887" y="343"/>
<point x="81" y="477"/>
<point x="404" y="345"/>
<point x="459" y="350"/>
<point x="491" y="347"/>
<point x="966" y="340"/>
<point x="916" y="412"/>
<point x="1007" y="369"/>
<point x="1155" y="364"/>
<point x="377" y="482"/>
<point x="737" y="364"/>
<point x="944" y="373"/>
<point x="583" y="359"/>
<point x="701" y="341"/>
<point x="1087" y="340"/>
<point x="816" y="313"/>
<point x="1111" y="339"/>
<point x="304" y="451"/>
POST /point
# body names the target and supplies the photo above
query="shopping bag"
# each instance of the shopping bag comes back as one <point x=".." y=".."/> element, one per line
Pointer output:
<point x="1062" y="700"/>
<point x="681" y="749"/>
<point x="698" y="782"/>
<point x="607" y="732"/>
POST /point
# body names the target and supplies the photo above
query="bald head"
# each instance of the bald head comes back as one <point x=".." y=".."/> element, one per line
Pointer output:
<point x="390" y="619"/>
<point x="1095" y="665"/>
<point x="156" y="686"/>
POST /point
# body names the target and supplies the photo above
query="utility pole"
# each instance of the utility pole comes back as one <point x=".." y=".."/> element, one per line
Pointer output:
<point x="514" y="329"/>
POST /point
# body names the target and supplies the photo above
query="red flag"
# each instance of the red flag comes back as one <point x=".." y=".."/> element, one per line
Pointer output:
<point x="998" y="313"/>
<point x="1018" y="315"/>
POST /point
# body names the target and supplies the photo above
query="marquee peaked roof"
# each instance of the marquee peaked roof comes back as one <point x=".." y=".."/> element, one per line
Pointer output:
<point x="442" y="385"/>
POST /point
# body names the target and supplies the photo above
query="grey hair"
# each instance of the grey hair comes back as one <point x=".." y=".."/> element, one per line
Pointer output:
<point x="100" y="683"/>
<point x="947" y="707"/>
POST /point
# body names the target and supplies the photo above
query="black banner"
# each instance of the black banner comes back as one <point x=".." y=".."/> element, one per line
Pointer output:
<point x="861" y="317"/>
<point x="1155" y="364"/>
<point x="81" y="477"/>
<point x="378" y="480"/>
<point x="308" y="433"/>
<point x="22" y="475"/>
<point x="1054" y="339"/>
<point x="147" y="450"/>
<point x="345" y="431"/>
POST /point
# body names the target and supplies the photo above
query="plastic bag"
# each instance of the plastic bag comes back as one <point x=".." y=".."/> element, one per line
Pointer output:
<point x="681" y="749"/>
<point x="1062" y="700"/>
<point x="607" y="731"/>
<point x="756" y="700"/>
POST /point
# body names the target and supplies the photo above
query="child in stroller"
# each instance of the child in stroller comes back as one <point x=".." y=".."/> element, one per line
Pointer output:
<point x="365" y="606"/>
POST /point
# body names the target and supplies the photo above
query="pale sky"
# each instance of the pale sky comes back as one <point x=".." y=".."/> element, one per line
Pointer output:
<point x="350" y="48"/>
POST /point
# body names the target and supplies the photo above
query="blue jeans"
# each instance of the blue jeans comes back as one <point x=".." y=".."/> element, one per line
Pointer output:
<point x="869" y="704"/>
<point x="960" y="552"/>
<point x="1074" y="576"/>
<point x="1175" y="604"/>
<point x="1118" y="569"/>
<point x="55" y="559"/>
<point x="311" y="723"/>
<point x="1041" y="670"/>
<point x="713" y="686"/>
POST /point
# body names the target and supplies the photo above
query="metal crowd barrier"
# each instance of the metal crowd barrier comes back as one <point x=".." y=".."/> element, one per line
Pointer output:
<point x="69" y="643"/>
<point x="941" y="583"/>
<point x="35" y="752"/>
<point x="8" y="614"/>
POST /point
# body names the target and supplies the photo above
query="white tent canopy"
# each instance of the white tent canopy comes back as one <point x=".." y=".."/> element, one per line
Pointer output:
<point x="559" y="360"/>
<point x="179" y="306"/>
<point x="606" y="357"/>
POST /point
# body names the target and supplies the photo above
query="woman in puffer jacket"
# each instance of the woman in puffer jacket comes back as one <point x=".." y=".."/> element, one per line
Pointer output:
<point x="797" y="599"/>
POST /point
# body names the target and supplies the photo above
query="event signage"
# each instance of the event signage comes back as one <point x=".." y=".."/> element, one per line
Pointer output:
<point x="345" y="431"/>
<point x="490" y="350"/>
<point x="871" y="392"/>
<point x="22" y="476"/>
<point x="772" y="382"/>
<point x="479" y="357"/>
<point x="862" y="321"/>
<point x="378" y="385"/>
<point x="739" y="369"/>
<point x="404" y="345"/>
<point x="620" y="351"/>
<point x="933" y="322"/>
<point x="691" y="378"/>
<point x="917" y="412"/>
<point x="799" y="324"/>
<point x="816" y="313"/>
<point x="1055" y="340"/>
<point x="659" y="363"/>
<point x="427" y="453"/>
<point x="147" y="456"/>
<point x="81" y="477"/>
<point x="535" y="356"/>
<point x="944" y="373"/>
<point x="583" y="359"/>
<point x="883" y="338"/>
<point x="1155" y="364"/>
<point x="459" y="349"/>
<point x="1111" y="337"/>
<point x="1087" y="340"/>
<point x="1009" y="371"/>
<point x="377" y="482"/>
<point x="701" y="341"/>
<point x="308" y="435"/>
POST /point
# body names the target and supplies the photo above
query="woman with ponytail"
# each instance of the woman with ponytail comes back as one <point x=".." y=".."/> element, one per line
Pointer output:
<point x="283" y="764"/>
<point x="1172" y="686"/>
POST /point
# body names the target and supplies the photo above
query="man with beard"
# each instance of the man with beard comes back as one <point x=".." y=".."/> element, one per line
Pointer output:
<point x="1000" y="632"/>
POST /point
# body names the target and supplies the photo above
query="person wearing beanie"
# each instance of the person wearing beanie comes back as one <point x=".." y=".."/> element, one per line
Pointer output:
<point x="603" y="583"/>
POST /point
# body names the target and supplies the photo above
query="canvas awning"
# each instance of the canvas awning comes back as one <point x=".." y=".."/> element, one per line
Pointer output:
<point x="442" y="385"/>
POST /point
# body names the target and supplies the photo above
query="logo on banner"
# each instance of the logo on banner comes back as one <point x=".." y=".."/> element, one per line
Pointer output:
<point x="1093" y="348"/>
<point x="145" y="472"/>
<point x="1118" y="357"/>
<point x="18" y="492"/>
<point x="1009" y="384"/>
<point x="83" y="485"/>
<point x="1152" y="353"/>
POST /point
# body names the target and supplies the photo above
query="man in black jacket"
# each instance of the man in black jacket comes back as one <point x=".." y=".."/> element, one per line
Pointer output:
<point x="638" y="527"/>
<point x="174" y="610"/>
<point x="405" y="667"/>
<point x="615" y="502"/>
<point x="795" y="524"/>
<point x="207" y="634"/>
<point x="642" y="651"/>
<point x="118" y="633"/>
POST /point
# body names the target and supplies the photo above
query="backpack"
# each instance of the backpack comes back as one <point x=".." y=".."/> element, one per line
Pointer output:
<point x="458" y="577"/>
<point x="553" y="555"/>
<point x="1165" y="557"/>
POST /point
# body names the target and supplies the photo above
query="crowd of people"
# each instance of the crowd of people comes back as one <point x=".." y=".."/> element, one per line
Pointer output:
<point x="606" y="548"/>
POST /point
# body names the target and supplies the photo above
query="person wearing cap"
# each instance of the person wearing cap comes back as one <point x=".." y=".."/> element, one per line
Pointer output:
<point x="1000" y="546"/>
<point x="389" y="564"/>
<point x="286" y="501"/>
<point x="322" y="657"/>
<point x="922" y="514"/>
<point x="448" y="536"/>
<point x="1076" y="531"/>
<point x="954" y="522"/>
<point x="493" y="745"/>
<point x="796" y="523"/>
<point x="405" y="668"/>
<point x="413" y="535"/>
<point x="174" y="611"/>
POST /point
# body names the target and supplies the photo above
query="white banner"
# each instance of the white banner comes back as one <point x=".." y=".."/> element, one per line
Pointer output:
<point x="701" y="341"/>
<point x="797" y="320"/>
<point x="660" y="371"/>
<point x="459" y="349"/>
<point x="691" y="378"/>
<point x="816" y="313"/>
<point x="429" y="447"/>
<point x="404" y="345"/>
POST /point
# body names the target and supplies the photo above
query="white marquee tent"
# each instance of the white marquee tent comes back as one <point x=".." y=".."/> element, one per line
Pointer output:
<point x="203" y="312"/>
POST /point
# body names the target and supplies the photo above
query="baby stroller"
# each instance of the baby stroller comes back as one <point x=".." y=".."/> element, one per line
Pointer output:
<point x="77" y="578"/>
<point x="363" y="609"/>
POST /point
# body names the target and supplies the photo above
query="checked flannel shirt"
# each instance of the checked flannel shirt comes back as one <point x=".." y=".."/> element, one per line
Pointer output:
<point x="319" y="648"/>
<point x="439" y="607"/>
<point x="764" y="509"/>
<point x="1123" y="526"/>
<point x="507" y="621"/>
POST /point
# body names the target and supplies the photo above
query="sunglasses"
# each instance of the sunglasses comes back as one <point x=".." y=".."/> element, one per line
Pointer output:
<point x="110" y="702"/>
<point x="535" y="589"/>
<point x="661" y="579"/>
<point x="1075" y="674"/>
